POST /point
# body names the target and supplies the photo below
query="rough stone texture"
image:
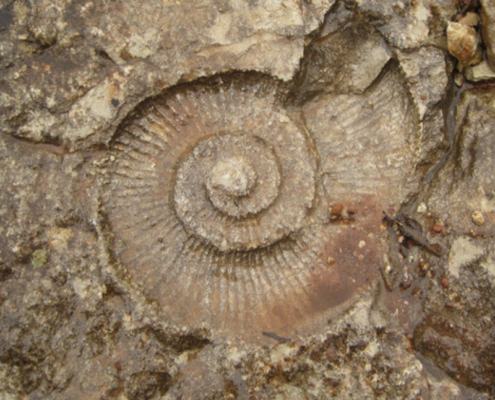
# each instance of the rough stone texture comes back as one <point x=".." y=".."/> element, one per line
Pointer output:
<point x="346" y="59"/>
<point x="470" y="166"/>
<point x="426" y="71"/>
<point x="463" y="252"/>
<point x="470" y="19"/>
<point x="403" y="158"/>
<point x="488" y="29"/>
<point x="74" y="71"/>
<point x="461" y="341"/>
<point x="407" y="24"/>
<point x="384" y="119"/>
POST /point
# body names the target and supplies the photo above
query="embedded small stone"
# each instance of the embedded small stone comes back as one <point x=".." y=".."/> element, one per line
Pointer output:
<point x="437" y="228"/>
<point x="422" y="208"/>
<point x="39" y="258"/>
<point x="464" y="43"/>
<point x="337" y="209"/>
<point x="480" y="72"/>
<point x="477" y="218"/>
<point x="459" y="78"/>
<point x="423" y="268"/>
<point x="470" y="19"/>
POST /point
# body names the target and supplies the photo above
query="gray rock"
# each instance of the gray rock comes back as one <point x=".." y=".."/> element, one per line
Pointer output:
<point x="426" y="72"/>
<point x="403" y="24"/>
<point x="107" y="60"/>
<point x="347" y="60"/>
<point x="468" y="183"/>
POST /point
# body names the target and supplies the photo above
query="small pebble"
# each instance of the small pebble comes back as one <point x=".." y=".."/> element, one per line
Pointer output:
<point x="331" y="356"/>
<point x="437" y="228"/>
<point x="406" y="283"/>
<point x="423" y="269"/>
<point x="479" y="72"/>
<point x="459" y="79"/>
<point x="477" y="217"/>
<point x="470" y="19"/>
<point x="445" y="282"/>
<point x="337" y="210"/>
<point x="422" y="208"/>
<point x="330" y="261"/>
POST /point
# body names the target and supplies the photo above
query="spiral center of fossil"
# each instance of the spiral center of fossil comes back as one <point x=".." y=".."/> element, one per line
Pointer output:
<point x="239" y="192"/>
<point x="233" y="177"/>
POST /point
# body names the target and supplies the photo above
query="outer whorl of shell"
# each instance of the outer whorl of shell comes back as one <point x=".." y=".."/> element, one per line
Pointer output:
<point x="211" y="198"/>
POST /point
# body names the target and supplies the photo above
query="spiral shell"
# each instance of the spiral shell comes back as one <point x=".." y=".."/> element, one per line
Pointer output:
<point x="211" y="196"/>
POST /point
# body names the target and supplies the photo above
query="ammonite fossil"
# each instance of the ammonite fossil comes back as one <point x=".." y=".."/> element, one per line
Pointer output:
<point x="214" y="200"/>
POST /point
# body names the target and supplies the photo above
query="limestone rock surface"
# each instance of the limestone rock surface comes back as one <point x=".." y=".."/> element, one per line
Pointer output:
<point x="73" y="71"/>
<point x="244" y="200"/>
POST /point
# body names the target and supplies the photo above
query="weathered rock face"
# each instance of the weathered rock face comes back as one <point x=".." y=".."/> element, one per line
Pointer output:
<point x="243" y="200"/>
<point x="488" y="29"/>
<point x="345" y="60"/>
<point x="73" y="71"/>
<point x="460" y="338"/>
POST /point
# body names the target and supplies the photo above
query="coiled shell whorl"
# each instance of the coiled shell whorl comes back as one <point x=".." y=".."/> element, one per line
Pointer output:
<point x="239" y="190"/>
<point x="210" y="195"/>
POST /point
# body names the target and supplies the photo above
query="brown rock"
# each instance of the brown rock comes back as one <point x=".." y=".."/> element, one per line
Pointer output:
<point x="337" y="210"/>
<point x="464" y="43"/>
<point x="437" y="228"/>
<point x="455" y="346"/>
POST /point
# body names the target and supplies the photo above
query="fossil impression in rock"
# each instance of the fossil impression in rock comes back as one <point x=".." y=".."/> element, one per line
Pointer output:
<point x="214" y="199"/>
